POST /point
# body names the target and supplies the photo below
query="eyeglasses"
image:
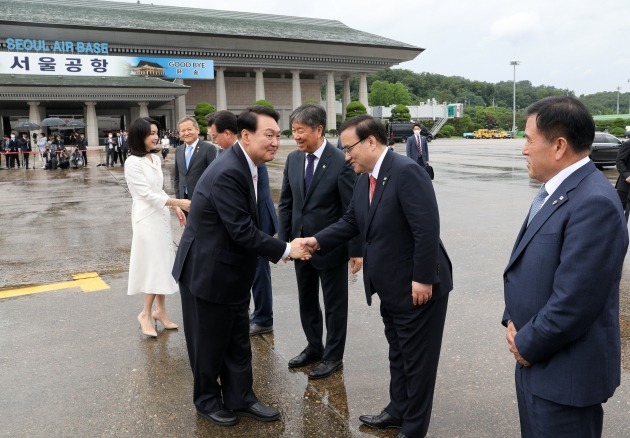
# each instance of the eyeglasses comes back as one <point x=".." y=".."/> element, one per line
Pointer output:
<point x="348" y="149"/>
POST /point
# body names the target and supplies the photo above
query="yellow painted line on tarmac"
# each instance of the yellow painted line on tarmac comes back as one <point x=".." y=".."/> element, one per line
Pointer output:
<point x="88" y="282"/>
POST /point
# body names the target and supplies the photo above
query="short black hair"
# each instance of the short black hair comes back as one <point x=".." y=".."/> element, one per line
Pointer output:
<point x="248" y="119"/>
<point x="564" y="116"/>
<point x="223" y="121"/>
<point x="138" y="131"/>
<point x="310" y="114"/>
<point x="365" y="126"/>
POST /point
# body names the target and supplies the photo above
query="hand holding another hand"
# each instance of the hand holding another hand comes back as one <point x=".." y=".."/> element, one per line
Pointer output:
<point x="300" y="250"/>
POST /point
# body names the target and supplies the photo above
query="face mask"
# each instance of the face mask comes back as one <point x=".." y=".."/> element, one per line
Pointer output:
<point x="13" y="137"/>
<point x="416" y="131"/>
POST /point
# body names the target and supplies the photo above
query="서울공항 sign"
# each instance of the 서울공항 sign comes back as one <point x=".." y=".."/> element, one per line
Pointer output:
<point x="97" y="65"/>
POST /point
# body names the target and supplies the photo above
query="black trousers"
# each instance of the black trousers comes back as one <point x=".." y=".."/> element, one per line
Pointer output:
<point x="217" y="338"/>
<point x="415" y="341"/>
<point x="623" y="197"/>
<point x="334" y="284"/>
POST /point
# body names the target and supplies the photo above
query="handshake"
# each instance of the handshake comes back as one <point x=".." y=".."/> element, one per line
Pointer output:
<point x="303" y="248"/>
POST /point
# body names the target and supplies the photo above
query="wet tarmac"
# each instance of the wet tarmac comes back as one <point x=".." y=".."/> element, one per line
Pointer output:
<point x="74" y="364"/>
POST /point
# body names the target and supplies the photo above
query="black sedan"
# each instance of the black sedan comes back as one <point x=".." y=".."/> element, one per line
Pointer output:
<point x="604" y="149"/>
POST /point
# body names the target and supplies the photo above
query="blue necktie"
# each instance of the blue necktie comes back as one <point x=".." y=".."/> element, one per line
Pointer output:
<point x="537" y="203"/>
<point x="188" y="155"/>
<point x="308" y="175"/>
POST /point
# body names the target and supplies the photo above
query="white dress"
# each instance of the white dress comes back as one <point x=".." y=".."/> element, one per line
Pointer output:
<point x="152" y="249"/>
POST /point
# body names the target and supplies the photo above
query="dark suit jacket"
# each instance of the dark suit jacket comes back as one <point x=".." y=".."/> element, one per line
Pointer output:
<point x="401" y="230"/>
<point x="412" y="149"/>
<point x="561" y="288"/>
<point x="303" y="214"/>
<point x="203" y="154"/>
<point x="266" y="210"/>
<point x="217" y="254"/>
<point x="623" y="167"/>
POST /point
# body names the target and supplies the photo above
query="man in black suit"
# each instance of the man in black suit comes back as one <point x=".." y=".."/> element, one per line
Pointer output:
<point x="316" y="191"/>
<point x="123" y="147"/>
<point x="215" y="267"/>
<point x="623" y="182"/>
<point x="222" y="127"/>
<point x="394" y="209"/>
<point x="191" y="158"/>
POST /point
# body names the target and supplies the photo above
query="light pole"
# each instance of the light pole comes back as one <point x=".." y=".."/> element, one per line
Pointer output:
<point x="618" y="90"/>
<point x="629" y="100"/>
<point x="514" y="63"/>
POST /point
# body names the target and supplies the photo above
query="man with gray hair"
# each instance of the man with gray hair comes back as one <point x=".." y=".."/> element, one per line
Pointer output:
<point x="316" y="190"/>
<point x="191" y="158"/>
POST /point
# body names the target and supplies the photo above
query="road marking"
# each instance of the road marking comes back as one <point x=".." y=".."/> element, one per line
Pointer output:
<point x="88" y="282"/>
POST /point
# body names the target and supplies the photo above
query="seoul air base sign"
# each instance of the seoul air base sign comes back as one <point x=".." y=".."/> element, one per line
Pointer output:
<point x="76" y="58"/>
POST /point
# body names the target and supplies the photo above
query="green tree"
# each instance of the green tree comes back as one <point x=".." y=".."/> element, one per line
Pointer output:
<point x="401" y="113"/>
<point x="201" y="111"/>
<point x="383" y="93"/>
<point x="263" y="102"/>
<point x="355" y="108"/>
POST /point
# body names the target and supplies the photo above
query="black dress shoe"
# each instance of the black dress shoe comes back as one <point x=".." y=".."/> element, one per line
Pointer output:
<point x="401" y="435"/>
<point x="325" y="368"/>
<point x="222" y="417"/>
<point x="304" y="358"/>
<point x="255" y="329"/>
<point x="381" y="421"/>
<point x="259" y="411"/>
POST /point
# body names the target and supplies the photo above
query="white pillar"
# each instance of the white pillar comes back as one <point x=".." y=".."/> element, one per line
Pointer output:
<point x="346" y="95"/>
<point x="33" y="112"/>
<point x="260" y="84"/>
<point x="180" y="105"/>
<point x="91" y="124"/>
<point x="221" y="96"/>
<point x="363" y="90"/>
<point x="144" y="109"/>
<point x="331" y="111"/>
<point x="297" y="89"/>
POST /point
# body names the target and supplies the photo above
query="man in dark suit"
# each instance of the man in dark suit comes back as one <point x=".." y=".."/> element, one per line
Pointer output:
<point x="395" y="211"/>
<point x="222" y="127"/>
<point x="561" y="284"/>
<point x="215" y="267"/>
<point x="316" y="191"/>
<point x="417" y="147"/>
<point x="123" y="147"/>
<point x="623" y="182"/>
<point x="191" y="158"/>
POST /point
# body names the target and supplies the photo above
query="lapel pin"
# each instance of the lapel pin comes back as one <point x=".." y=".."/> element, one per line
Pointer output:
<point x="324" y="166"/>
<point x="384" y="180"/>
<point x="554" y="202"/>
<point x="561" y="198"/>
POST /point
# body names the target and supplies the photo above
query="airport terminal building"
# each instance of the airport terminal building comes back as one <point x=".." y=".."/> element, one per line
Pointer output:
<point x="106" y="63"/>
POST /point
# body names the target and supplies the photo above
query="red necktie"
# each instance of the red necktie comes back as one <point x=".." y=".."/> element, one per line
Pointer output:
<point x="372" y="187"/>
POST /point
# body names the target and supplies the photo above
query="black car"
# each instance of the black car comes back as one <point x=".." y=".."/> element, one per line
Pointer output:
<point x="604" y="149"/>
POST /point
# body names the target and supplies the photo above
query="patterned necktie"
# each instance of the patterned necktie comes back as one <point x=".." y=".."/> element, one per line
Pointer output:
<point x="419" y="146"/>
<point x="188" y="155"/>
<point x="308" y="174"/>
<point x="255" y="178"/>
<point x="372" y="187"/>
<point x="537" y="203"/>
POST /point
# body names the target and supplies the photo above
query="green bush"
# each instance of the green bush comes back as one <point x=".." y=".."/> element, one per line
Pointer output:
<point x="201" y="111"/>
<point x="264" y="102"/>
<point x="617" y="131"/>
<point x="355" y="108"/>
<point x="401" y="113"/>
<point x="333" y="132"/>
<point x="287" y="133"/>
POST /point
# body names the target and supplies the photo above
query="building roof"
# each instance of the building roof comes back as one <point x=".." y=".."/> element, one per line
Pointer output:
<point x="88" y="81"/>
<point x="134" y="16"/>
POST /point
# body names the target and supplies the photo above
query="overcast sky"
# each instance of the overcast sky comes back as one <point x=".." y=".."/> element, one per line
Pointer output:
<point x="569" y="44"/>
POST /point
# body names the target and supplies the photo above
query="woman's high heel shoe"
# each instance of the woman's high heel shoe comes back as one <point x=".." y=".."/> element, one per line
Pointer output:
<point x="167" y="323"/>
<point x="149" y="330"/>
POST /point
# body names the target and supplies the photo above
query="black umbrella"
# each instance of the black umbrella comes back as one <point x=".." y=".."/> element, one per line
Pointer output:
<point x="75" y="124"/>
<point x="26" y="126"/>
<point x="52" y="121"/>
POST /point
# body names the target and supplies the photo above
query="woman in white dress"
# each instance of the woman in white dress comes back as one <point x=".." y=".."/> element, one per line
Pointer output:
<point x="152" y="250"/>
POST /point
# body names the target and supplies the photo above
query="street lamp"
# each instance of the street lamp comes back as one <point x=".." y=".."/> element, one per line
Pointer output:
<point x="618" y="90"/>
<point x="629" y="101"/>
<point x="514" y="63"/>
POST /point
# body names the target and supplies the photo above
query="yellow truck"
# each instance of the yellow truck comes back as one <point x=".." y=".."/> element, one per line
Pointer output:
<point x="482" y="133"/>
